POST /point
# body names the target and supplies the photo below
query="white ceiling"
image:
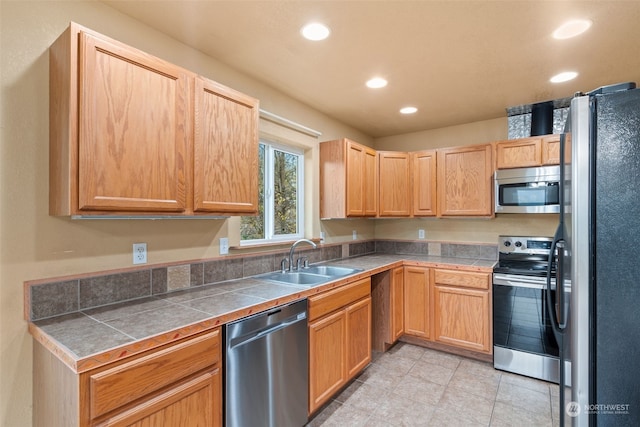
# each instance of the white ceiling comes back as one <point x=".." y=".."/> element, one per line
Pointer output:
<point x="457" y="61"/>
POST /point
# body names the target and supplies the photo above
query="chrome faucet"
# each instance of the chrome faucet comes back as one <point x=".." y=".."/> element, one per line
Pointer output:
<point x="293" y="247"/>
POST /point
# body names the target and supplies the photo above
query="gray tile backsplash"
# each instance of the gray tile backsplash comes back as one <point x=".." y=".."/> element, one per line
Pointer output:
<point x="101" y="290"/>
<point x="63" y="297"/>
<point x="53" y="299"/>
<point x="458" y="250"/>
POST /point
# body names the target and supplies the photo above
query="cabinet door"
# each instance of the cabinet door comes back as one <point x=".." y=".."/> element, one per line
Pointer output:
<point x="193" y="404"/>
<point x="133" y="138"/>
<point x="551" y="150"/>
<point x="417" y="302"/>
<point x="327" y="358"/>
<point x="358" y="316"/>
<point x="225" y="150"/>
<point x="462" y="317"/>
<point x="355" y="179"/>
<point x="397" y="303"/>
<point x="465" y="177"/>
<point x="394" y="189"/>
<point x="518" y="153"/>
<point x="370" y="182"/>
<point x="423" y="167"/>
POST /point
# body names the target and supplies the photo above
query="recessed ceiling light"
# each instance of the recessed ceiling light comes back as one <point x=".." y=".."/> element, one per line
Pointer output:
<point x="563" y="77"/>
<point x="408" y="110"/>
<point x="376" y="83"/>
<point x="315" y="31"/>
<point x="572" y="28"/>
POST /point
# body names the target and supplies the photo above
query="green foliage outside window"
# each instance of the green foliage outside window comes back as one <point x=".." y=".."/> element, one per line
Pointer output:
<point x="278" y="196"/>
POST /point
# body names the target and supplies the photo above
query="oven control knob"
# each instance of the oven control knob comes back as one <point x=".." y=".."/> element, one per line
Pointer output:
<point x="518" y="244"/>
<point x="507" y="243"/>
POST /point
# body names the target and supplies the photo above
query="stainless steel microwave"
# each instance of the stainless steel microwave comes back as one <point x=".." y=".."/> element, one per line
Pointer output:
<point x="528" y="190"/>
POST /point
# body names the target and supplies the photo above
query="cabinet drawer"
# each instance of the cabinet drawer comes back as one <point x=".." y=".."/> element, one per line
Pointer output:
<point x="125" y="383"/>
<point x="462" y="278"/>
<point x="325" y="303"/>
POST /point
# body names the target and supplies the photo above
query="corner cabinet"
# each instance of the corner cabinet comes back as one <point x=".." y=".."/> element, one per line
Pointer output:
<point x="122" y="134"/>
<point x="423" y="171"/>
<point x="348" y="180"/>
<point x="179" y="384"/>
<point x="339" y="339"/>
<point x="465" y="176"/>
<point x="394" y="195"/>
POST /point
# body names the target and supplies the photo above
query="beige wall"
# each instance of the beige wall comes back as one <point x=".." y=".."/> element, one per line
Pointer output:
<point x="34" y="245"/>
<point x="466" y="134"/>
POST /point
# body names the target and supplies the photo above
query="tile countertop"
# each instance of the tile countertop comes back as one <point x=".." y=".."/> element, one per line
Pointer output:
<point x="94" y="337"/>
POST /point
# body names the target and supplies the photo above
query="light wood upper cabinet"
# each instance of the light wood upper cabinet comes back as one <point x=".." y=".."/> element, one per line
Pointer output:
<point x="465" y="176"/>
<point x="225" y="149"/>
<point x="529" y="152"/>
<point x="394" y="184"/>
<point x="119" y="141"/>
<point x="122" y="134"/>
<point x="348" y="179"/>
<point x="423" y="170"/>
<point x="551" y="150"/>
<point x="518" y="153"/>
<point x="462" y="309"/>
<point x="417" y="302"/>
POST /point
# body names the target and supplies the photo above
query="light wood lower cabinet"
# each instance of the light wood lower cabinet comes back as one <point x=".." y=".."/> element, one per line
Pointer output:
<point x="177" y="385"/>
<point x="417" y="302"/>
<point x="189" y="404"/>
<point x="462" y="309"/>
<point x="339" y="339"/>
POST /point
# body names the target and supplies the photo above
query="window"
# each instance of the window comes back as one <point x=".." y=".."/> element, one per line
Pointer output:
<point x="280" y="200"/>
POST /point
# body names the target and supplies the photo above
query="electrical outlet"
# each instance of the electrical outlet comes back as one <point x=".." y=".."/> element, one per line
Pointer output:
<point x="139" y="253"/>
<point x="224" y="246"/>
<point x="355" y="234"/>
<point x="421" y="234"/>
<point x="322" y="237"/>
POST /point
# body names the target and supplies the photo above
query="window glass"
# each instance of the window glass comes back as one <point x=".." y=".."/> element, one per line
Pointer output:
<point x="280" y="196"/>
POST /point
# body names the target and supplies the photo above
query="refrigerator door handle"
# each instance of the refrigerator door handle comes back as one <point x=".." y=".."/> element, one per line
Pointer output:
<point x="554" y="315"/>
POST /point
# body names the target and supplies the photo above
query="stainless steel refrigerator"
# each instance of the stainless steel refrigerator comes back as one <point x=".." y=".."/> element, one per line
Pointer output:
<point x="594" y="301"/>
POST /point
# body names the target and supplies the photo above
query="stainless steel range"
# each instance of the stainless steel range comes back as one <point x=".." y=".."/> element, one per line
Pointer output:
<point x="523" y="338"/>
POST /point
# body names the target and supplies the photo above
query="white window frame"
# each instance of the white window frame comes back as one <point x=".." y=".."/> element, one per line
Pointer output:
<point x="269" y="211"/>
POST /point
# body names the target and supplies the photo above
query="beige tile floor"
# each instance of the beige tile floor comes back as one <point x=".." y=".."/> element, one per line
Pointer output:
<point x="414" y="386"/>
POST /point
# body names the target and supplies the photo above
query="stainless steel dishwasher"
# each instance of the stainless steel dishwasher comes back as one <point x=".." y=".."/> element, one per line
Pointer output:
<point x="267" y="368"/>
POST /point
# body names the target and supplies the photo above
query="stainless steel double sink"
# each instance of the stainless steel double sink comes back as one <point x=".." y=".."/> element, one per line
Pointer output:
<point x="310" y="276"/>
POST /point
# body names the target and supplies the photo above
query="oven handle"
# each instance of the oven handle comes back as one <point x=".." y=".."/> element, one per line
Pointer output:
<point x="519" y="281"/>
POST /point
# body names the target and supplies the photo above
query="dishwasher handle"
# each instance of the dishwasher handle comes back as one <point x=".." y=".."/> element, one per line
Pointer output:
<point x="259" y="333"/>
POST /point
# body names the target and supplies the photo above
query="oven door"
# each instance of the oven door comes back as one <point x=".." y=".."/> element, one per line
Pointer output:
<point x="523" y="337"/>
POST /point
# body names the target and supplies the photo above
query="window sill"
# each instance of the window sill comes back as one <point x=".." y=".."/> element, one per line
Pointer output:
<point x="271" y="244"/>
